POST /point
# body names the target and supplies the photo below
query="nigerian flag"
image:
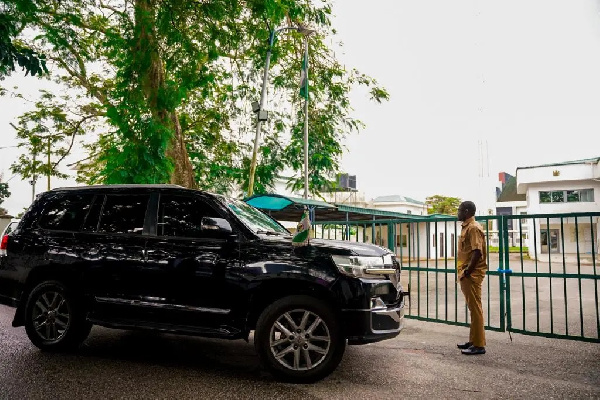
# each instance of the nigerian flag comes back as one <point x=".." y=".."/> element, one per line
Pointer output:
<point x="303" y="231"/>
<point x="304" y="78"/>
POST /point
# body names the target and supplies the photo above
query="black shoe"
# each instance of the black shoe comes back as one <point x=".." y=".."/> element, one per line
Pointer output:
<point x="471" y="351"/>
<point x="464" y="346"/>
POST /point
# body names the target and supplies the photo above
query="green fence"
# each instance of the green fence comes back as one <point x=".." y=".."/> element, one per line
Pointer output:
<point x="541" y="280"/>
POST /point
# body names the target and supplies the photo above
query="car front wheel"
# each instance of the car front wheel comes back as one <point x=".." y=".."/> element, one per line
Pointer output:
<point x="298" y="338"/>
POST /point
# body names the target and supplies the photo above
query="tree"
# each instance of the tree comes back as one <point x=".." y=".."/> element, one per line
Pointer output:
<point x="48" y="134"/>
<point x="173" y="80"/>
<point x="439" y="204"/>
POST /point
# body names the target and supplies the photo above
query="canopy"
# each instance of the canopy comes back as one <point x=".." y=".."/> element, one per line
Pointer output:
<point x="286" y="208"/>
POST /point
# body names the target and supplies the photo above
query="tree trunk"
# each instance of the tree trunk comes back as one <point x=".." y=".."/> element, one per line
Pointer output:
<point x="183" y="173"/>
<point x="152" y="78"/>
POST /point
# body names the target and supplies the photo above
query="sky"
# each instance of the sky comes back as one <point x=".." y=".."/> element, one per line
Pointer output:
<point x="519" y="77"/>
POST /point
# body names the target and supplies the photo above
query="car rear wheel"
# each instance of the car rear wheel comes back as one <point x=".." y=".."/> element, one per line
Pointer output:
<point x="298" y="338"/>
<point x="54" y="320"/>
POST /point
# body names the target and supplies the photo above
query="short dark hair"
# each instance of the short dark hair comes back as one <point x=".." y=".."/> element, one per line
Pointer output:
<point x="469" y="206"/>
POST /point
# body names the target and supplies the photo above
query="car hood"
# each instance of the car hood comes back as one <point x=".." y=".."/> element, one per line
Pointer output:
<point x="357" y="248"/>
<point x="330" y="246"/>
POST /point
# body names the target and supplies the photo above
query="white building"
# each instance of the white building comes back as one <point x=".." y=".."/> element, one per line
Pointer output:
<point x="401" y="204"/>
<point x="567" y="187"/>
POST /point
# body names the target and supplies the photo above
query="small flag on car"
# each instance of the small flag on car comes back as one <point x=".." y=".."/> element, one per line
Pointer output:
<point x="302" y="235"/>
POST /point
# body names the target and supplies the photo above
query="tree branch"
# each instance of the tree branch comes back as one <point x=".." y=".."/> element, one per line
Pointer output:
<point x="73" y="134"/>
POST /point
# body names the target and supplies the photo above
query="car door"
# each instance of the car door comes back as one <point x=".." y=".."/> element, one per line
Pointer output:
<point x="112" y="245"/>
<point x="194" y="260"/>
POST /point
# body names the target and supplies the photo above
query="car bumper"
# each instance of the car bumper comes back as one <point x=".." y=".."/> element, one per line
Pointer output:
<point x="375" y="324"/>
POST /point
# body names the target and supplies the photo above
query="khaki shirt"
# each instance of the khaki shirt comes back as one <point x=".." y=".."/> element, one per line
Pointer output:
<point x="471" y="238"/>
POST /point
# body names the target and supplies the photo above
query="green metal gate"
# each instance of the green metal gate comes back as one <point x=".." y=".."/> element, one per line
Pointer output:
<point x="525" y="291"/>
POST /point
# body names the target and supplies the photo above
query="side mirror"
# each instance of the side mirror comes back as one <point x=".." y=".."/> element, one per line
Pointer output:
<point x="218" y="226"/>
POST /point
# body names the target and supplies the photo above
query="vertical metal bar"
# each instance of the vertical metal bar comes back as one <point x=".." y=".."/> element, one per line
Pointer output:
<point x="522" y="277"/>
<point x="537" y="293"/>
<point x="418" y="249"/>
<point x="410" y="251"/>
<point x="562" y="237"/>
<point x="501" y="243"/>
<point x="401" y="249"/>
<point x="437" y="246"/>
<point x="595" y="280"/>
<point x="579" y="275"/>
<point x="347" y="228"/>
<point x="456" y="239"/>
<point x="550" y="269"/>
<point x="391" y="235"/>
<point x="373" y="231"/>
<point x="505" y="314"/>
<point x="487" y="253"/>
<point x="306" y="68"/>
<point x="446" y="273"/>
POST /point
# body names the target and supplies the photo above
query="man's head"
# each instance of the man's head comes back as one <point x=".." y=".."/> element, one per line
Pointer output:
<point x="466" y="210"/>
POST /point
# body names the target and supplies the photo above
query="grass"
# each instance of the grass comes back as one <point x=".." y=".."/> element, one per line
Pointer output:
<point x="493" y="249"/>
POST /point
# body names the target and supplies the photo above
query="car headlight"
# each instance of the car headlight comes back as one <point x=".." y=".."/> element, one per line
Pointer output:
<point x="363" y="267"/>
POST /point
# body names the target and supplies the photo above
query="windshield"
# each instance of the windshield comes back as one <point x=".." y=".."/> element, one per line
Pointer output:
<point x="255" y="219"/>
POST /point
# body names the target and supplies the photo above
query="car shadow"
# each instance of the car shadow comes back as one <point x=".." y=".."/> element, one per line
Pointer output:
<point x="231" y="358"/>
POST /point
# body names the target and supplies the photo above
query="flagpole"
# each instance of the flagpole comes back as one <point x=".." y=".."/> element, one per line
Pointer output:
<point x="306" y="121"/>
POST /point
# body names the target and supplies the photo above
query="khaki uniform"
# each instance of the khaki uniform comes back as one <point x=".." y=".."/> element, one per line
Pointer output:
<point x="473" y="238"/>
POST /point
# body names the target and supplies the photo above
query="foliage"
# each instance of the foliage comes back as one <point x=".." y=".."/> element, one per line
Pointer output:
<point x="438" y="204"/>
<point x="4" y="192"/>
<point x="13" y="52"/>
<point x="172" y="81"/>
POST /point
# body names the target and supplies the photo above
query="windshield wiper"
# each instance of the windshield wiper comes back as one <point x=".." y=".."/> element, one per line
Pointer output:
<point x="273" y="233"/>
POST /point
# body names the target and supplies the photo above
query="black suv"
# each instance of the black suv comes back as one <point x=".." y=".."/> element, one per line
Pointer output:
<point x="177" y="260"/>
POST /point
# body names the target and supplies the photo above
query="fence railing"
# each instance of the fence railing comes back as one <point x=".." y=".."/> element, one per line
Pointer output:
<point x="542" y="277"/>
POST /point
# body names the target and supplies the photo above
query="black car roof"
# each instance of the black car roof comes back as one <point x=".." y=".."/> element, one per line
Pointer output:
<point x="120" y="187"/>
<point x="124" y="186"/>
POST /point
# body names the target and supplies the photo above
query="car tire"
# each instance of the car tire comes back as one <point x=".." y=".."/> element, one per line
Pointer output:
<point x="299" y="339"/>
<point x="55" y="318"/>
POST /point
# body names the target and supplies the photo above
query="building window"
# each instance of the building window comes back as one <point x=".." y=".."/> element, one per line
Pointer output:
<point x="567" y="196"/>
<point x="408" y="212"/>
<point x="558" y="196"/>
<point x="586" y="195"/>
<point x="545" y="197"/>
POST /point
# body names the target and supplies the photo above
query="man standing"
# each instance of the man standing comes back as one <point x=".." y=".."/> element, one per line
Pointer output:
<point x="472" y="267"/>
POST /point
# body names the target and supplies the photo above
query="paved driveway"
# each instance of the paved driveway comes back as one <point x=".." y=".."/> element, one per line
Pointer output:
<point x="421" y="363"/>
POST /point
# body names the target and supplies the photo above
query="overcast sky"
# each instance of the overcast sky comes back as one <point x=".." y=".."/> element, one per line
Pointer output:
<point x="523" y="76"/>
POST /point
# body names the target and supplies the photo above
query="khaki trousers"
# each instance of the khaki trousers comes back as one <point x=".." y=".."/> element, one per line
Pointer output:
<point x="471" y="288"/>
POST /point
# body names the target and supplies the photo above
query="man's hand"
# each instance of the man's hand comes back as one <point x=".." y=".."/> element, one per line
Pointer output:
<point x="465" y="273"/>
<point x="475" y="256"/>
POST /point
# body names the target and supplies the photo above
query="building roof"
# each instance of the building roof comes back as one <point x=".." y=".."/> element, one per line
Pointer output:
<point x="397" y="199"/>
<point x="584" y="161"/>
<point x="509" y="193"/>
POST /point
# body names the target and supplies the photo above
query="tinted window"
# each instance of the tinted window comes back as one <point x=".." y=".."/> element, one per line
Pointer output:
<point x="91" y="221"/>
<point x="66" y="213"/>
<point x="123" y="214"/>
<point x="182" y="216"/>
